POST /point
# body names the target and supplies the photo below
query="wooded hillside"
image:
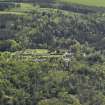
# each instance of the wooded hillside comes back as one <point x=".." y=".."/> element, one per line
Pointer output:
<point x="51" y="53"/>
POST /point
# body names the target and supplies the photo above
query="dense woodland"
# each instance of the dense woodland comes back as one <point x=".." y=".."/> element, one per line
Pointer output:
<point x="50" y="55"/>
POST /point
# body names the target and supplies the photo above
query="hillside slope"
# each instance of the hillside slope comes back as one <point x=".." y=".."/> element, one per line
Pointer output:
<point x="49" y="28"/>
<point x="51" y="53"/>
<point x="97" y="3"/>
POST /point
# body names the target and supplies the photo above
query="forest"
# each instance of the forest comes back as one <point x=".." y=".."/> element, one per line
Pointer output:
<point x="52" y="52"/>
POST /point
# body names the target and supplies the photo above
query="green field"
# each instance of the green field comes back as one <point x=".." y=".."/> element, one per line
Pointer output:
<point x="99" y="3"/>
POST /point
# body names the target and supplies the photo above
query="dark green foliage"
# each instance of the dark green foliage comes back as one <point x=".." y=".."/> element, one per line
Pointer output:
<point x="68" y="68"/>
<point x="49" y="28"/>
<point x="9" y="45"/>
<point x="50" y="83"/>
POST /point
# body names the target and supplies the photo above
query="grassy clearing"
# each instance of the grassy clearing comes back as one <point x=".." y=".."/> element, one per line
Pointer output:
<point x="98" y="3"/>
<point x="11" y="13"/>
<point x="28" y="55"/>
<point x="36" y="51"/>
<point x="23" y="7"/>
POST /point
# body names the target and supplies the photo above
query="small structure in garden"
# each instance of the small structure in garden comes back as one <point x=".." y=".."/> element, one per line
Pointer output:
<point x="67" y="57"/>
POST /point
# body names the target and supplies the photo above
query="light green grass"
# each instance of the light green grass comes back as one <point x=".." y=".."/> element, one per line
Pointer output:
<point x="24" y="7"/>
<point x="36" y="51"/>
<point x="11" y="13"/>
<point x="41" y="51"/>
<point x="98" y="3"/>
